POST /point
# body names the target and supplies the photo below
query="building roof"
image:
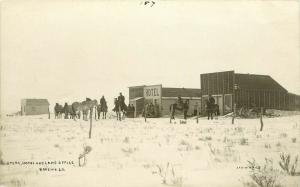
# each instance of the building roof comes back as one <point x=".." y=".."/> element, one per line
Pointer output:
<point x="252" y="81"/>
<point x="141" y="86"/>
<point x="183" y="92"/>
<point x="35" y="102"/>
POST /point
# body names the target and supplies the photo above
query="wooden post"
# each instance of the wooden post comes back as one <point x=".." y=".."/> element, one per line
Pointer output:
<point x="171" y="112"/>
<point x="48" y="113"/>
<point x="145" y="113"/>
<point x="96" y="113"/>
<point x="261" y="120"/>
<point x="198" y="110"/>
<point x="91" y="118"/>
<point x="234" y="113"/>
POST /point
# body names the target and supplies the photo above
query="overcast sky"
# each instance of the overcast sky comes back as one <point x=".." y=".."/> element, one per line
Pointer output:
<point x="69" y="50"/>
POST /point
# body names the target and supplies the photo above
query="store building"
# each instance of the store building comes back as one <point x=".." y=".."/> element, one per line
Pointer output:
<point x="163" y="96"/>
<point x="246" y="90"/>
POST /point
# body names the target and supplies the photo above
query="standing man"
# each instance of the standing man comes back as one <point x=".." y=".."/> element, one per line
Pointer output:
<point x="128" y="112"/>
<point x="185" y="108"/>
<point x="179" y="100"/>
<point x="121" y="100"/>
<point x="102" y="101"/>
<point x="133" y="110"/>
<point x="196" y="109"/>
<point x="103" y="107"/>
<point x="211" y="100"/>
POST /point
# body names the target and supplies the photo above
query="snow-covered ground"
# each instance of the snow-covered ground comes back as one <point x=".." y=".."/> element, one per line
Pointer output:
<point x="131" y="152"/>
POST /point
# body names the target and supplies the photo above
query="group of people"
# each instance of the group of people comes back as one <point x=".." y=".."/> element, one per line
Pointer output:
<point x="180" y="106"/>
<point x="130" y="113"/>
<point x="151" y="110"/>
<point x="121" y="107"/>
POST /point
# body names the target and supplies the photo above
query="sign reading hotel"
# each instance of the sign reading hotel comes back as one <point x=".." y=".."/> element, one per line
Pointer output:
<point x="152" y="92"/>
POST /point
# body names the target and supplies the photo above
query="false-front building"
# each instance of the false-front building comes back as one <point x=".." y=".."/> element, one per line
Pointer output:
<point x="163" y="96"/>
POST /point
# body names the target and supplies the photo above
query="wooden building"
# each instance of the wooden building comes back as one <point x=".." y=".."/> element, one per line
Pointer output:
<point x="163" y="96"/>
<point x="246" y="90"/>
<point x="34" y="106"/>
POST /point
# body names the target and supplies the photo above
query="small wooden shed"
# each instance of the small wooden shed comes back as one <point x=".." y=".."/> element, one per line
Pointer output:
<point x="34" y="106"/>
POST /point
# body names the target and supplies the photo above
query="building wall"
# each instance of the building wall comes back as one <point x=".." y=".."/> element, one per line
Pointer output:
<point x="221" y="86"/>
<point x="246" y="90"/>
<point x="135" y="92"/>
<point x="217" y="83"/>
<point x="292" y="102"/>
<point x="271" y="99"/>
<point x="183" y="92"/>
<point x="34" y="109"/>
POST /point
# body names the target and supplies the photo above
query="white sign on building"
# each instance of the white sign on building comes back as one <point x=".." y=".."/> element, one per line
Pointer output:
<point x="152" y="92"/>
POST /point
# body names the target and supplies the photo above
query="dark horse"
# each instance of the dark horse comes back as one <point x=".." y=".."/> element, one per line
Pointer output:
<point x="179" y="106"/>
<point x="58" y="110"/>
<point x="103" y="109"/>
<point x="212" y="109"/>
<point x="120" y="109"/>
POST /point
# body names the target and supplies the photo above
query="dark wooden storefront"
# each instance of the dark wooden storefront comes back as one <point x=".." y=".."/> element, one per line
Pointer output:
<point x="246" y="90"/>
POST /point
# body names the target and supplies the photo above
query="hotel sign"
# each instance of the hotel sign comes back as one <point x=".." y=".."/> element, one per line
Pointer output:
<point x="152" y="92"/>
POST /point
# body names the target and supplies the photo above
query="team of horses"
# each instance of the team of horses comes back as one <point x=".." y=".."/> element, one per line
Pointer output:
<point x="86" y="108"/>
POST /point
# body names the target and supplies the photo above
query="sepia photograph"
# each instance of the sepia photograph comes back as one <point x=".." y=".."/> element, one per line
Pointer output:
<point x="149" y="93"/>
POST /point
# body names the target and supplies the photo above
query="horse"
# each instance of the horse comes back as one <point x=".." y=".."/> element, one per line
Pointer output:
<point x="179" y="106"/>
<point x="58" y="110"/>
<point x="103" y="109"/>
<point x="87" y="106"/>
<point x="76" y="110"/>
<point x="120" y="109"/>
<point x="123" y="110"/>
<point x="212" y="109"/>
<point x="117" y="109"/>
<point x="67" y="110"/>
<point x="70" y="112"/>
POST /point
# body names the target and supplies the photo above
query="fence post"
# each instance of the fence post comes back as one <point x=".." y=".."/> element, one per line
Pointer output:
<point x="234" y="113"/>
<point x="261" y="119"/>
<point x="48" y="113"/>
<point x="91" y="118"/>
<point x="145" y="112"/>
<point x="197" y="116"/>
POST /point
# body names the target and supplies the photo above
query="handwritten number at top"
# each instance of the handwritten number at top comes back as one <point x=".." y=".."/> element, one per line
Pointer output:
<point x="148" y="3"/>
